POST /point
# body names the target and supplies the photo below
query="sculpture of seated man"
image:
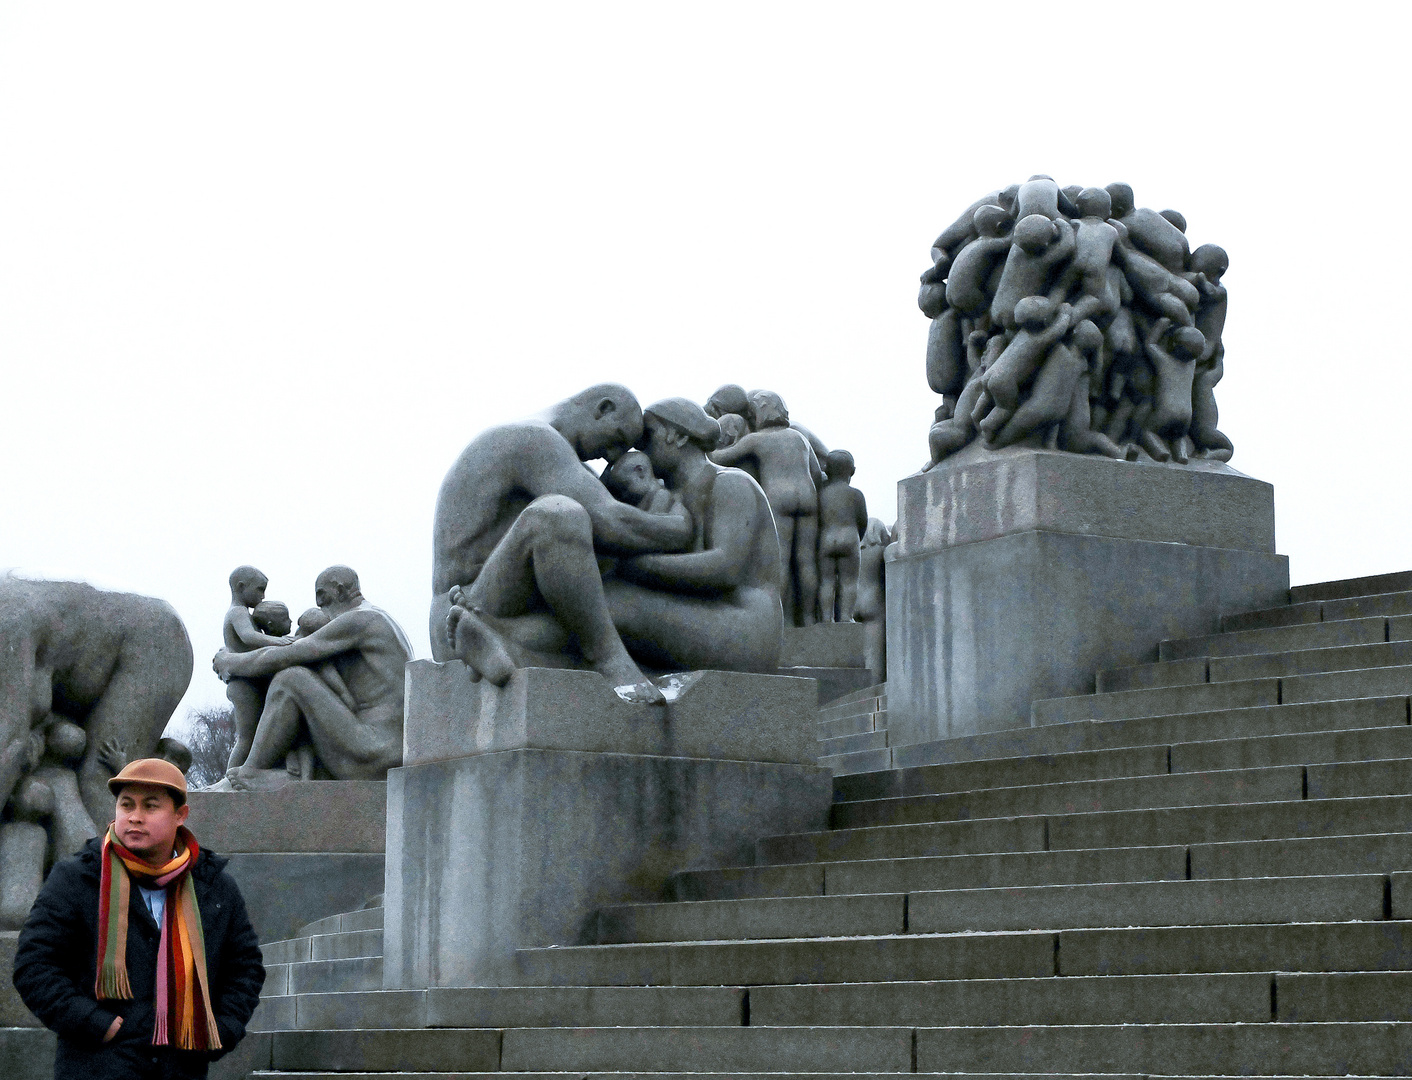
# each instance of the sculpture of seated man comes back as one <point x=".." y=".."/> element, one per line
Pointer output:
<point x="369" y="650"/>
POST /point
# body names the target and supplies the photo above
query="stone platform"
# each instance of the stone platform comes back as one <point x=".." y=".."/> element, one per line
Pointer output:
<point x="524" y="810"/>
<point x="1016" y="576"/>
<point x="299" y="853"/>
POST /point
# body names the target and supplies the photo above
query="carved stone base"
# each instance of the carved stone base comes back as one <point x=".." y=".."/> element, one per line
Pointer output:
<point x="497" y="850"/>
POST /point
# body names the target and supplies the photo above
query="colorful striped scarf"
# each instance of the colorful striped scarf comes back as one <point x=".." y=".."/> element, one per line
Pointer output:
<point x="181" y="957"/>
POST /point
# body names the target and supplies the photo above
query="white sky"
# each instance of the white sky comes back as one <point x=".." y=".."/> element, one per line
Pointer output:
<point x="265" y="268"/>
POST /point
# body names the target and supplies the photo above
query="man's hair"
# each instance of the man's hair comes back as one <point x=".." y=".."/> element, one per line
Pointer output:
<point x="689" y="418"/>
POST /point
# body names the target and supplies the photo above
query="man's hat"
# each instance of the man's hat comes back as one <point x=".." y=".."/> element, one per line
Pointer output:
<point x="152" y="770"/>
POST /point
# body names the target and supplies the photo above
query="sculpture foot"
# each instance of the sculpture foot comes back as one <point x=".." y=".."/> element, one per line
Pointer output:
<point x="1154" y="446"/>
<point x="480" y="647"/>
<point x="1182" y="450"/>
<point x="246" y="778"/>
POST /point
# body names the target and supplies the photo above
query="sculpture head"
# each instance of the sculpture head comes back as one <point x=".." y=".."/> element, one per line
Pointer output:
<point x="1034" y="313"/>
<point x="728" y="399"/>
<point x="1095" y="202"/>
<point x="66" y="740"/>
<point x="1088" y="339"/>
<point x="839" y="465"/>
<point x="1122" y="196"/>
<point x="877" y="534"/>
<point x="312" y="620"/>
<point x="271" y="617"/>
<point x="1188" y="342"/>
<point x="1176" y="218"/>
<point x="630" y="478"/>
<point x="1035" y="233"/>
<point x="1009" y="196"/>
<point x="733" y="428"/>
<point x="991" y="221"/>
<point x="336" y="590"/>
<point x="676" y="429"/>
<point x="769" y="409"/>
<point x="247" y="586"/>
<point x="174" y="751"/>
<point x="603" y="421"/>
<point x="1211" y="260"/>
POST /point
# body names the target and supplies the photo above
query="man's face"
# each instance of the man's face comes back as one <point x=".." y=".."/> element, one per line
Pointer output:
<point x="146" y="821"/>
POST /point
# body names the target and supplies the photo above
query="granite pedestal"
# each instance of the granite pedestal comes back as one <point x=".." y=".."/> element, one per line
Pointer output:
<point x="522" y="811"/>
<point x="300" y="853"/>
<point x="1018" y="575"/>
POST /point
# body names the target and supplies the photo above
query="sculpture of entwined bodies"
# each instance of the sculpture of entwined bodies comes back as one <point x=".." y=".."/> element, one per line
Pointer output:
<point x="1074" y="319"/>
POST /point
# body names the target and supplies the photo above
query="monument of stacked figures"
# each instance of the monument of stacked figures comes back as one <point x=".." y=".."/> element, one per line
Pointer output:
<point x="1076" y="505"/>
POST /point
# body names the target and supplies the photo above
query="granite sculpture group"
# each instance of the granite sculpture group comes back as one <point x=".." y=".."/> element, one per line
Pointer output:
<point x="1074" y="319"/>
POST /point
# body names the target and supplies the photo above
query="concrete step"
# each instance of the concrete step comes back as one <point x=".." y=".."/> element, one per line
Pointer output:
<point x="1174" y="1049"/>
<point x="861" y="761"/>
<point x="1082" y="735"/>
<point x="852" y="706"/>
<point x="1360" y="586"/>
<point x="851" y="744"/>
<point x="335" y="946"/>
<point x="877" y="690"/>
<point x="1154" y="827"/>
<point x="1325" y="898"/>
<point x="369" y="918"/>
<point x="323" y="976"/>
<point x="1246" y="693"/>
<point x="1256" y="666"/>
<point x="1398" y="602"/>
<point x="1319" y="635"/>
<point x="1323" y="747"/>
<point x="851" y="725"/>
<point x="1123" y="793"/>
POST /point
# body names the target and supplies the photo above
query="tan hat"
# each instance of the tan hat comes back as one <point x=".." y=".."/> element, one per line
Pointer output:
<point x="152" y="770"/>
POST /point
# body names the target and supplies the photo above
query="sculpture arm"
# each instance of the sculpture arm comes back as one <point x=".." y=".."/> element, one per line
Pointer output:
<point x="344" y="633"/>
<point x="729" y="455"/>
<point x="244" y="627"/>
<point x="860" y="511"/>
<point x="734" y="522"/>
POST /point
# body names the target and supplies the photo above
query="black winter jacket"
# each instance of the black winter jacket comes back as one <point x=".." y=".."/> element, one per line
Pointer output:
<point x="56" y="964"/>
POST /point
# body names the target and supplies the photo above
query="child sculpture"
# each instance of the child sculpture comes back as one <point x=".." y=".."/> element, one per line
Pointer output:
<point x="630" y="479"/>
<point x="789" y="472"/>
<point x="843" y="518"/>
<point x="247" y="591"/>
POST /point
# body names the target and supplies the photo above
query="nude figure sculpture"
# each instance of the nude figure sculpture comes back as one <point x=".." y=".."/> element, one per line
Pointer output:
<point x="790" y="474"/>
<point x="521" y="526"/>
<point x="369" y="650"/>
<point x="843" y="518"/>
<point x="1043" y="300"/>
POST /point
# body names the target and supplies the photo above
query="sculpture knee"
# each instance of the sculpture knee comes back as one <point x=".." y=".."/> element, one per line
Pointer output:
<point x="558" y="519"/>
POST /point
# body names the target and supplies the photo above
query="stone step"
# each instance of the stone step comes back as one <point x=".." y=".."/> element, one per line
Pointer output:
<point x="1260" y="1049"/>
<point x="1380" y="853"/>
<point x="1332" y="1049"/>
<point x="851" y="744"/>
<point x="323" y="976"/>
<point x="336" y="946"/>
<point x="861" y="761"/>
<point x="1153" y="827"/>
<point x="877" y="690"/>
<point x="368" y="918"/>
<point x="1245" y="693"/>
<point x="1322" y="747"/>
<point x="1123" y="793"/>
<point x="1325" y="898"/>
<point x="1360" y="586"/>
<point x="856" y="707"/>
<point x="1319" y="635"/>
<point x="1082" y="735"/>
<point x="1255" y="666"/>
<point x="851" y="725"/>
<point x="1398" y="602"/>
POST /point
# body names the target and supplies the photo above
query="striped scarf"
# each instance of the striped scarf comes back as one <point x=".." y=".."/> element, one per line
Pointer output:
<point x="181" y="957"/>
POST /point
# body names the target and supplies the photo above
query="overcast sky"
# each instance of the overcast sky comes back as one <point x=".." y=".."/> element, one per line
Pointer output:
<point x="266" y="268"/>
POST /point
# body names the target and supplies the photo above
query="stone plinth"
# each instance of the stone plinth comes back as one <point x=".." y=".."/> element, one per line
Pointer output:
<point x="300" y="853"/>
<point x="823" y="645"/>
<point x="519" y="845"/>
<point x="1019" y="575"/>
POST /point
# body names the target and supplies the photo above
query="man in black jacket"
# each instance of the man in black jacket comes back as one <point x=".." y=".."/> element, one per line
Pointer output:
<point x="130" y="1026"/>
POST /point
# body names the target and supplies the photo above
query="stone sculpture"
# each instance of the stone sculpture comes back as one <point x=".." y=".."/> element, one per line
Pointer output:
<point x="843" y="519"/>
<point x="1075" y="320"/>
<point x="871" y="608"/>
<point x="241" y="634"/>
<point x="789" y="473"/>
<point x="354" y="726"/>
<point x="521" y="527"/>
<point x="85" y="677"/>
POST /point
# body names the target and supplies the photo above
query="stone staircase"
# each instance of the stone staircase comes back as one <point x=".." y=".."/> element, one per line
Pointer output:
<point x="1204" y="869"/>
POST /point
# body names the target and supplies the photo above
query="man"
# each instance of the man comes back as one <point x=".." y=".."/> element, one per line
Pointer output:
<point x="138" y="952"/>
<point x="518" y="522"/>
<point x="369" y="651"/>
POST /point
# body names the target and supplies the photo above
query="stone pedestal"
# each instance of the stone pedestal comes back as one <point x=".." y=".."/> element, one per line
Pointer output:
<point x="1018" y="575"/>
<point x="523" y="810"/>
<point x="300" y="853"/>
